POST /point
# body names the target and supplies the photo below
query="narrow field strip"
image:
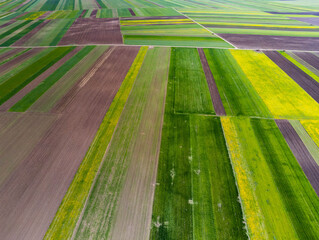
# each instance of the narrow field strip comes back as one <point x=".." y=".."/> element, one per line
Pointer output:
<point x="10" y="57"/>
<point x="217" y="102"/>
<point x="73" y="202"/>
<point x="312" y="128"/>
<point x="307" y="163"/>
<point x="277" y="198"/>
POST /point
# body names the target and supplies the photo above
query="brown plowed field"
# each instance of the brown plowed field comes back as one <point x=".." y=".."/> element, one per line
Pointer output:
<point x="307" y="163"/>
<point x="272" y="42"/>
<point x="217" y="102"/>
<point x="93" y="31"/>
<point x="10" y="53"/>
<point x="308" y="84"/>
<point x="310" y="58"/>
<point x="13" y="100"/>
<point x="32" y="194"/>
<point x="26" y="37"/>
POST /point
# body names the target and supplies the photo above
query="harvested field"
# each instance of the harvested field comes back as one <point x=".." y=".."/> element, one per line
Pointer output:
<point x="272" y="42"/>
<point x="93" y="31"/>
<point x="308" y="84"/>
<point x="306" y="161"/>
<point x="310" y="58"/>
<point x="39" y="200"/>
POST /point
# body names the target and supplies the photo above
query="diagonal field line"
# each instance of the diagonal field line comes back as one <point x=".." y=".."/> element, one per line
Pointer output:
<point x="205" y="28"/>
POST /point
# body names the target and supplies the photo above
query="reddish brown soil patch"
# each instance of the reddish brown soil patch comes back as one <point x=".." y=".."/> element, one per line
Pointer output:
<point x="10" y="53"/>
<point x="32" y="194"/>
<point x="14" y="62"/>
<point x="308" y="84"/>
<point x="132" y="12"/>
<point x="93" y="31"/>
<point x="307" y="163"/>
<point x="83" y="13"/>
<point x="7" y="24"/>
<point x="272" y="42"/>
<point x="217" y="102"/>
<point x="93" y="13"/>
<point x="13" y="100"/>
<point x="26" y="37"/>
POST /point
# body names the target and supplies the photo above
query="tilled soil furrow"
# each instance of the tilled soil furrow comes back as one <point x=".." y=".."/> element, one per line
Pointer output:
<point x="301" y="153"/>
<point x="217" y="102"/>
<point x="310" y="85"/>
<point x="310" y="58"/>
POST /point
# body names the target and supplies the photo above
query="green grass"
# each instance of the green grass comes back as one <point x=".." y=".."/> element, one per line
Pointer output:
<point x="38" y="91"/>
<point x="216" y="211"/>
<point x="278" y="200"/>
<point x="237" y="93"/>
<point x="13" y="29"/>
<point x="190" y="87"/>
<point x="22" y="78"/>
<point x="101" y="205"/>
<point x="183" y="41"/>
<point x="70" y="209"/>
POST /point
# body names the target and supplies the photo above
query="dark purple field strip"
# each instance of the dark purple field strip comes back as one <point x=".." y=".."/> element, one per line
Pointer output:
<point x="295" y="13"/>
<point x="93" y="13"/>
<point x="310" y="20"/>
<point x="15" y="61"/>
<point x="83" y="13"/>
<point x="26" y="37"/>
<point x="217" y="102"/>
<point x="32" y="194"/>
<point x="7" y="24"/>
<point x="24" y="91"/>
<point x="308" y="84"/>
<point x="259" y="27"/>
<point x="132" y="12"/>
<point x="247" y="41"/>
<point x="153" y="18"/>
<point x="301" y="153"/>
<point x="310" y="58"/>
<point x="10" y="53"/>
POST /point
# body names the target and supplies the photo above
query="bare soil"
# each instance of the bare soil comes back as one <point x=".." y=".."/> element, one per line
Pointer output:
<point x="93" y="31"/>
<point x="310" y="58"/>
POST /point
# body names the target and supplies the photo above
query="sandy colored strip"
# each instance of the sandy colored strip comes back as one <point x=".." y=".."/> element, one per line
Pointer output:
<point x="307" y="163"/>
<point x="26" y="37"/>
<point x="17" y="97"/>
<point x="35" y="189"/>
<point x="217" y="102"/>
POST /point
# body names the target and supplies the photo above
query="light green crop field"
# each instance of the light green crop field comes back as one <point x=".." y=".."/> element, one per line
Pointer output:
<point x="159" y="119"/>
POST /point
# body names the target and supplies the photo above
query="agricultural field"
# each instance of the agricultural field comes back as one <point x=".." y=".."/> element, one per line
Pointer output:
<point x="158" y="119"/>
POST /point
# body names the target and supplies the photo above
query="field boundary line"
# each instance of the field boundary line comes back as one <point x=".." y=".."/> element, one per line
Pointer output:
<point x="206" y="28"/>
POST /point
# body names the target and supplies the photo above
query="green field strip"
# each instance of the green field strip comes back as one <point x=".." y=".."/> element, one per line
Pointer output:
<point x="169" y="27"/>
<point x="151" y="12"/>
<point x="37" y="92"/>
<point x="50" y="5"/>
<point x="283" y="97"/>
<point x="277" y="198"/>
<point x="124" y="12"/>
<point x="190" y="87"/>
<point x="104" y="13"/>
<point x="22" y="78"/>
<point x="304" y="66"/>
<point x="32" y="15"/>
<point x="237" y="93"/>
<point x="102" y="203"/>
<point x="180" y="31"/>
<point x="49" y="99"/>
<point x="217" y="213"/>
<point x="13" y="29"/>
<point x="306" y="139"/>
<point x="16" y="32"/>
<point x="21" y="34"/>
<point x="14" y="56"/>
<point x="65" y="220"/>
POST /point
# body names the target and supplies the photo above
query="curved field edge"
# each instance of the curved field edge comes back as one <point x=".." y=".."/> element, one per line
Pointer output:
<point x="65" y="220"/>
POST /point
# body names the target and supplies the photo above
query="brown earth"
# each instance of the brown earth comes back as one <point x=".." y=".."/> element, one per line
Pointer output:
<point x="93" y="13"/>
<point x="17" y="60"/>
<point x="306" y="161"/>
<point x="132" y="12"/>
<point x="310" y="58"/>
<point x="83" y="13"/>
<point x="307" y="83"/>
<point x="93" y="31"/>
<point x="217" y="102"/>
<point x="32" y="194"/>
<point x="10" y="53"/>
<point x="26" y="37"/>
<point x="245" y="41"/>
<point x="17" y="97"/>
<point x="7" y="24"/>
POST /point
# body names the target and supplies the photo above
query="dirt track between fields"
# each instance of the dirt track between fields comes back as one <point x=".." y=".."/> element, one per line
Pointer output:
<point x="217" y="102"/>
<point x="307" y="163"/>
<point x="246" y="41"/>
<point x="93" y="31"/>
<point x="307" y="83"/>
<point x="32" y="194"/>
